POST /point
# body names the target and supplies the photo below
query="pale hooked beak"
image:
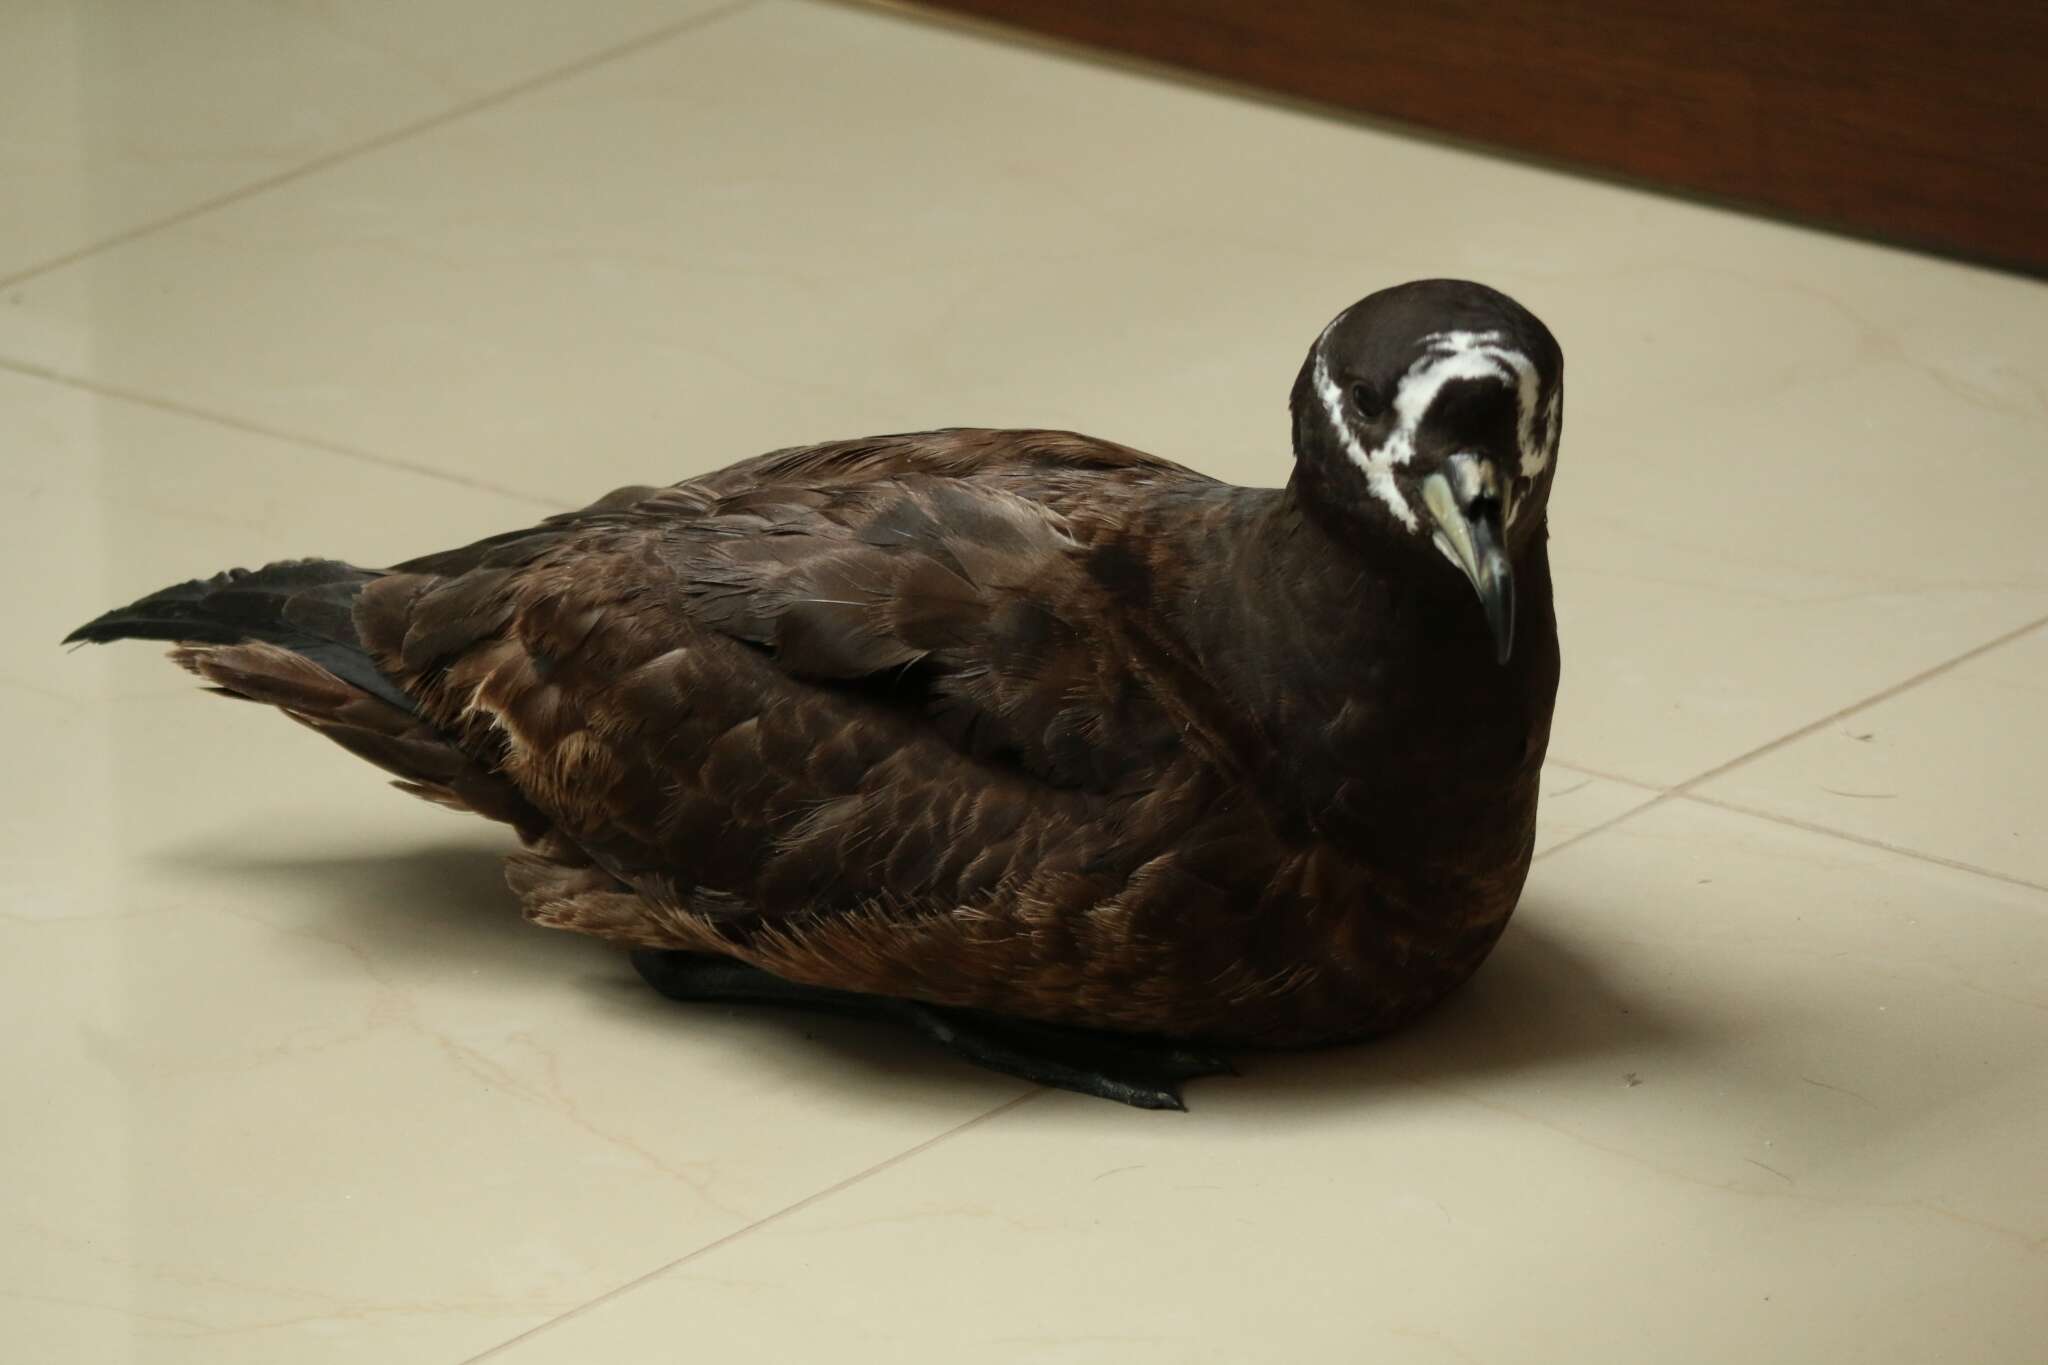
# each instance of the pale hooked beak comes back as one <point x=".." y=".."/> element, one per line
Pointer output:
<point x="1465" y="498"/>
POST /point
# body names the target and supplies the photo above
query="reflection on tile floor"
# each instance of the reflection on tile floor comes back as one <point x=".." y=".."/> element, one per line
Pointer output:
<point x="293" y="1080"/>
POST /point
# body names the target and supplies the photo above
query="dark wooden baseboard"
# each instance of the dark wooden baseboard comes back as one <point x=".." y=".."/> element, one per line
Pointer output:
<point x="1921" y="122"/>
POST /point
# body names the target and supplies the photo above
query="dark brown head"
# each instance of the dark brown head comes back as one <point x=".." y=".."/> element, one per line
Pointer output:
<point x="1429" y="414"/>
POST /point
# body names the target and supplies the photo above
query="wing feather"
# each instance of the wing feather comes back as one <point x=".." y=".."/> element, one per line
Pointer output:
<point x="826" y="681"/>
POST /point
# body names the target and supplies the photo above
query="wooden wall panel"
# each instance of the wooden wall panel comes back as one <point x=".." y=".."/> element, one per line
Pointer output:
<point x="1924" y="123"/>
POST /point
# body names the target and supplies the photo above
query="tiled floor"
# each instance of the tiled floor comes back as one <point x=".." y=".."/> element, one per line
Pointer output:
<point x="1760" y="1073"/>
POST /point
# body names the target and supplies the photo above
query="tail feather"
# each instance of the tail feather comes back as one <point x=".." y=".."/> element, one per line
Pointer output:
<point x="285" y="636"/>
<point x="303" y="605"/>
<point x="424" y="761"/>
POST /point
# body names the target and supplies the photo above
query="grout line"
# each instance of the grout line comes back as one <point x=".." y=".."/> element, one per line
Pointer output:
<point x="1609" y="823"/>
<point x="1811" y="827"/>
<point x="1835" y="717"/>
<point x="785" y="1211"/>
<point x="1552" y="761"/>
<point x="1685" y="789"/>
<point x="387" y="138"/>
<point x="222" y="419"/>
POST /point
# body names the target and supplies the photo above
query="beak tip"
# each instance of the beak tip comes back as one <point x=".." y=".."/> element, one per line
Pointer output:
<point x="1500" y="612"/>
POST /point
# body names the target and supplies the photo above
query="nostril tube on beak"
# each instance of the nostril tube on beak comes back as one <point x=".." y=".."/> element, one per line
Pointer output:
<point x="1464" y="499"/>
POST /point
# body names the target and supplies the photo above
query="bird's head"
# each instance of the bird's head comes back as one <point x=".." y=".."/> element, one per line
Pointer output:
<point x="1429" y="413"/>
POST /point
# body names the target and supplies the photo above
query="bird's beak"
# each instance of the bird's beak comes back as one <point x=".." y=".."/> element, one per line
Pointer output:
<point x="1465" y="499"/>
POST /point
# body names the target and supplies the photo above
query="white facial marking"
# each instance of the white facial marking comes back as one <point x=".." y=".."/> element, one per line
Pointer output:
<point x="1536" y="457"/>
<point x="1553" y="414"/>
<point x="1474" y="355"/>
<point x="1448" y="356"/>
<point x="1379" y="471"/>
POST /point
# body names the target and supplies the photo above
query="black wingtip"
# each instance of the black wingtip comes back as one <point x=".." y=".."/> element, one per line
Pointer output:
<point x="152" y="619"/>
<point x="228" y="607"/>
<point x="102" y="629"/>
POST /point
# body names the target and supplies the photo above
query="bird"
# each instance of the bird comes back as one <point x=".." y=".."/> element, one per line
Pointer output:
<point x="1089" y="767"/>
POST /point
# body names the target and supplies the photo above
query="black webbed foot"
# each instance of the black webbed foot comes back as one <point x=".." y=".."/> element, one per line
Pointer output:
<point x="1128" y="1068"/>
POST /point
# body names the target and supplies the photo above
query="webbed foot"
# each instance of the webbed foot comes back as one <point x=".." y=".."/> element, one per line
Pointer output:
<point x="1129" y="1068"/>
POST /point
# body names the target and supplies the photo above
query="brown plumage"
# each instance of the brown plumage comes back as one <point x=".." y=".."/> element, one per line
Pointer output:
<point x="1018" y="721"/>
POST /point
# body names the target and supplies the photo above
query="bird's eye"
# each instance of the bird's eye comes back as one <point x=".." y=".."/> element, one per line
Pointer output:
<point x="1367" y="400"/>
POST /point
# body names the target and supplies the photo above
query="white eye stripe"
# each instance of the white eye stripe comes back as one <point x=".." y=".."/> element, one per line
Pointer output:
<point x="1553" y="417"/>
<point x="1379" y="470"/>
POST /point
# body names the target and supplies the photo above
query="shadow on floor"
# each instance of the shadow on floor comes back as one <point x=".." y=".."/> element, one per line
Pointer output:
<point x="439" y="910"/>
<point x="1541" y="1001"/>
<point x="425" y="908"/>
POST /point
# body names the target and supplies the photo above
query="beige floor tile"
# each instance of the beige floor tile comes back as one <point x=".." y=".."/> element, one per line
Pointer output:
<point x="1728" y="1091"/>
<point x="1956" y="768"/>
<point x="300" y="1086"/>
<point x="289" y="1079"/>
<point x="1576" y="803"/>
<point x="1798" y="470"/>
<point x="114" y="114"/>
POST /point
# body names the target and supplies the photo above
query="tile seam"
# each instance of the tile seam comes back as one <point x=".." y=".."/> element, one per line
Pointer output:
<point x="117" y="393"/>
<point x="1877" y="698"/>
<point x="1686" y="790"/>
<point x="379" y="141"/>
<point x="1865" y="841"/>
<point x="794" y="1207"/>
